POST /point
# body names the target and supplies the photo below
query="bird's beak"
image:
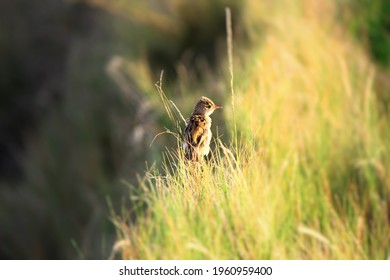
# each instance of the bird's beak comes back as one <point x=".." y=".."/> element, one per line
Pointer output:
<point x="217" y="107"/>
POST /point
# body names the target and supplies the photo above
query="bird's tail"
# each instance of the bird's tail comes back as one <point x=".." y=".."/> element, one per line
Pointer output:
<point x="192" y="154"/>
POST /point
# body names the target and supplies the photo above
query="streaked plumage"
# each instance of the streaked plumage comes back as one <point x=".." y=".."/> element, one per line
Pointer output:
<point x="197" y="134"/>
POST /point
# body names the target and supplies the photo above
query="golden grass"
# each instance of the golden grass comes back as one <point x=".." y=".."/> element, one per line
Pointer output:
<point x="312" y="178"/>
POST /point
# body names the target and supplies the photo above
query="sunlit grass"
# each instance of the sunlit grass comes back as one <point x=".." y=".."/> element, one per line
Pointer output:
<point x="311" y="181"/>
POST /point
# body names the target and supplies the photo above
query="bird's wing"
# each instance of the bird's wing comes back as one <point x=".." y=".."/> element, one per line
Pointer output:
<point x="194" y="137"/>
<point x="195" y="130"/>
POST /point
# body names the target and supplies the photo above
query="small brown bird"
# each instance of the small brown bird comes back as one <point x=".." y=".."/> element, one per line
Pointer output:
<point x="197" y="134"/>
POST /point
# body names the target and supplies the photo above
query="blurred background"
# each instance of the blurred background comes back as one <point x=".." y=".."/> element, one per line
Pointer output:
<point x="79" y="107"/>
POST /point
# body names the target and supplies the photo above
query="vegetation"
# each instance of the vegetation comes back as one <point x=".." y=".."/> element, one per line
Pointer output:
<point x="300" y="163"/>
<point x="308" y="178"/>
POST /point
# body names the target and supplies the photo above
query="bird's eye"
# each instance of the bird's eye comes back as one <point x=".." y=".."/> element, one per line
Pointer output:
<point x="208" y="106"/>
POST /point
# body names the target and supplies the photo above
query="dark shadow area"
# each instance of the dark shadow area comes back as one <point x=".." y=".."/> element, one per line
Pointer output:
<point x="372" y="30"/>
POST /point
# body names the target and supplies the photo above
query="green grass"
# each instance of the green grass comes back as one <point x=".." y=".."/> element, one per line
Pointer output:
<point x="309" y="176"/>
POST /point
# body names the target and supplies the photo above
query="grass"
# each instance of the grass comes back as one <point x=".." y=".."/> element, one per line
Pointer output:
<point x="312" y="177"/>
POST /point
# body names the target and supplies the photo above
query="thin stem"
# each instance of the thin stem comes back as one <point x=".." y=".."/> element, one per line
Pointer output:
<point x="229" y="41"/>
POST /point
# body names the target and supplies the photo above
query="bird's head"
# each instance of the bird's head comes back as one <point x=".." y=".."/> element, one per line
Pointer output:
<point x="205" y="107"/>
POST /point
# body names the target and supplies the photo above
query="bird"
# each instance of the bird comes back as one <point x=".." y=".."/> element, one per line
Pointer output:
<point x="197" y="134"/>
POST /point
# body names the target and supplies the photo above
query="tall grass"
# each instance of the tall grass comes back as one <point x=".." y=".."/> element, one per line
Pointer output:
<point x="312" y="178"/>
